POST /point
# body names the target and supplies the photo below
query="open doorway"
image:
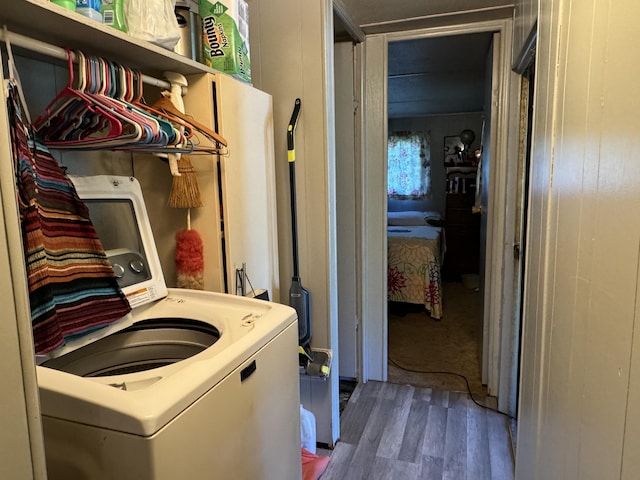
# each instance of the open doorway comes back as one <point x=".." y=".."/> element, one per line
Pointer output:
<point x="499" y="143"/>
<point x="436" y="90"/>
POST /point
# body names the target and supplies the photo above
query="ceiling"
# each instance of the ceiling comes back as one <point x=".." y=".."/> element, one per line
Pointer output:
<point x="434" y="75"/>
<point x="377" y="16"/>
<point x="438" y="75"/>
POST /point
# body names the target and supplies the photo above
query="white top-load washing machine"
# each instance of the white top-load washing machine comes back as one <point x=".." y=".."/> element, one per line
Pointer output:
<point x="190" y="385"/>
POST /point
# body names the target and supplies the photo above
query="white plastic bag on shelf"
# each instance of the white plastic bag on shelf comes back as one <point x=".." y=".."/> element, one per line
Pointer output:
<point x="154" y="21"/>
<point x="308" y="430"/>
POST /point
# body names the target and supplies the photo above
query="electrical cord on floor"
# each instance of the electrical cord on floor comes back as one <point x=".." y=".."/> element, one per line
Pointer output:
<point x="466" y="381"/>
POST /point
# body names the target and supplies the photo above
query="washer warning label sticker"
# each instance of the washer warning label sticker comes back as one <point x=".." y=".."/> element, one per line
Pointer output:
<point x="139" y="297"/>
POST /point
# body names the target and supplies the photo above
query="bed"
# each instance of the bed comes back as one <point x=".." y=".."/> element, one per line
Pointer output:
<point x="412" y="218"/>
<point x="414" y="256"/>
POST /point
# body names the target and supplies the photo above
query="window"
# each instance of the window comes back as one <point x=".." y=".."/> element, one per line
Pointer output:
<point x="409" y="166"/>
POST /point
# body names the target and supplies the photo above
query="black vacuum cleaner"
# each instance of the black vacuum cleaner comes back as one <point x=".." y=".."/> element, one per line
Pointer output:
<point x="299" y="297"/>
<point x="316" y="362"/>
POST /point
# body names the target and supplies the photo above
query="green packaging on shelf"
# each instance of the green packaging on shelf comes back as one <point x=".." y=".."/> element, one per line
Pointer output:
<point x="68" y="4"/>
<point x="113" y="14"/>
<point x="225" y="31"/>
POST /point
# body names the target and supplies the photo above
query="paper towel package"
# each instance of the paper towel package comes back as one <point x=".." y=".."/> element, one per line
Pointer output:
<point x="225" y="30"/>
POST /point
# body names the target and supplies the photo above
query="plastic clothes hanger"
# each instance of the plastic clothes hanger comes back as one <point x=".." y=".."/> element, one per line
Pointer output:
<point x="75" y="128"/>
<point x="92" y="112"/>
<point x="79" y="124"/>
<point x="176" y="142"/>
<point x="183" y="128"/>
<point x="72" y="107"/>
<point x="139" y="129"/>
<point x="124" y="92"/>
<point x="116" y="91"/>
<point x="135" y="129"/>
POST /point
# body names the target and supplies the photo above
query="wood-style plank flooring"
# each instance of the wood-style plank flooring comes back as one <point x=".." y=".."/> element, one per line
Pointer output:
<point x="401" y="432"/>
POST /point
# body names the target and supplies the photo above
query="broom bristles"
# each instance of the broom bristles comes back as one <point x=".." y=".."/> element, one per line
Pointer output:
<point x="185" y="192"/>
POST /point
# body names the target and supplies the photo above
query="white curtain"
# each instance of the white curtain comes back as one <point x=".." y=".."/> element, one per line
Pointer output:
<point x="409" y="165"/>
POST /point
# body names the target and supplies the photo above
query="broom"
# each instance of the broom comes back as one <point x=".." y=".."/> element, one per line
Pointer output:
<point x="185" y="193"/>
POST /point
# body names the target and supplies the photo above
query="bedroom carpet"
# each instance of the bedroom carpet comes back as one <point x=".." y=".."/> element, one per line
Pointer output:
<point x="452" y="344"/>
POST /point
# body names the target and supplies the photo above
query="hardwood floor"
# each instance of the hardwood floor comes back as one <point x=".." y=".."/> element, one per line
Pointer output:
<point x="401" y="432"/>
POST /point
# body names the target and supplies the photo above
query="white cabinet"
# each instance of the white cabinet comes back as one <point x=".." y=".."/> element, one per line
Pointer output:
<point x="244" y="117"/>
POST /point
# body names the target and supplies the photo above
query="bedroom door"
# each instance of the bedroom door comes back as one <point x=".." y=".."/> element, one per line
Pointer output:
<point x="346" y="211"/>
<point x="520" y="234"/>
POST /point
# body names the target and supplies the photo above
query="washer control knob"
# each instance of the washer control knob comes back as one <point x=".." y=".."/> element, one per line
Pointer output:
<point x="118" y="270"/>
<point x="136" y="265"/>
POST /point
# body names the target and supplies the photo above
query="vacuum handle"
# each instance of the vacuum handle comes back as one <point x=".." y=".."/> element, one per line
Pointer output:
<point x="291" y="131"/>
<point x="292" y="182"/>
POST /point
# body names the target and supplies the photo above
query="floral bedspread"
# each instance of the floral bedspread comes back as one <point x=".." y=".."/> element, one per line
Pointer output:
<point x="413" y="273"/>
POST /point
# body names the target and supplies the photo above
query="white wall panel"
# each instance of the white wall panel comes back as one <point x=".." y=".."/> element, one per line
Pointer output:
<point x="533" y="363"/>
<point x="292" y="57"/>
<point x="577" y="420"/>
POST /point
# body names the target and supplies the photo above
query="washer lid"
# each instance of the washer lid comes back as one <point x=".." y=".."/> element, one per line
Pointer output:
<point x="119" y="215"/>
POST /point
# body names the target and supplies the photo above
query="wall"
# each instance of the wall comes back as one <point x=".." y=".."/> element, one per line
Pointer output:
<point x="438" y="127"/>
<point x="292" y="57"/>
<point x="580" y="391"/>
<point x="21" y="440"/>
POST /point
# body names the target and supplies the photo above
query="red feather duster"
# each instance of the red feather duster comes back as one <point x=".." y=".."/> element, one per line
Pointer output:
<point x="189" y="260"/>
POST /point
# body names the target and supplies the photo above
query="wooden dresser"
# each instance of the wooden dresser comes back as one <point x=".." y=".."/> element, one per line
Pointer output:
<point x="462" y="227"/>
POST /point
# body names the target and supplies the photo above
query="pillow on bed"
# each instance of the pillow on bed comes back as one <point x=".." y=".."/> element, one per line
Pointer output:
<point x="409" y="218"/>
<point x="435" y="221"/>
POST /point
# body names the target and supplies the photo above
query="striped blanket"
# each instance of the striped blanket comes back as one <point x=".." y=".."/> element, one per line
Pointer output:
<point x="72" y="287"/>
